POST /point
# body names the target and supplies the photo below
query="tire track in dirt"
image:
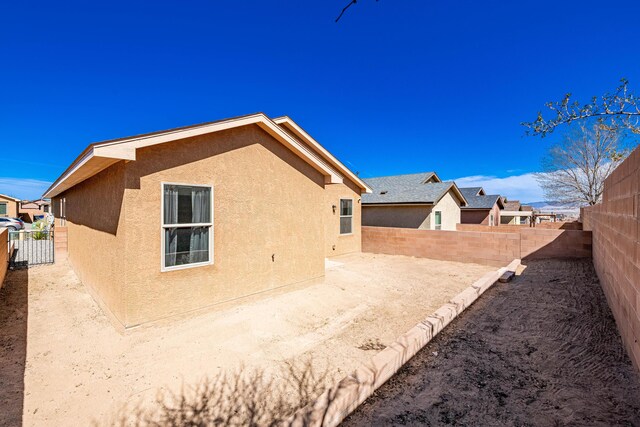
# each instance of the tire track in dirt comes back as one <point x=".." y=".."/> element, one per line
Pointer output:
<point x="542" y="350"/>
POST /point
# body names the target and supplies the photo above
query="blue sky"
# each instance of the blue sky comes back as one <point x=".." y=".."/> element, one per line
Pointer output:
<point x="394" y="87"/>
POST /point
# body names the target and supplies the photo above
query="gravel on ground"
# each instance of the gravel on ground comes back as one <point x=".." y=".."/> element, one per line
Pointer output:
<point x="542" y="350"/>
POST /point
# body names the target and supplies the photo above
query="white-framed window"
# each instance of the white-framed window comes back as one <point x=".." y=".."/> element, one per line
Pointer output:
<point x="346" y="216"/>
<point x="438" y="220"/>
<point x="491" y="219"/>
<point x="187" y="225"/>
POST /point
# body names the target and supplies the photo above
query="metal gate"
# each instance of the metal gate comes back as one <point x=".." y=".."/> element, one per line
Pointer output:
<point x="31" y="247"/>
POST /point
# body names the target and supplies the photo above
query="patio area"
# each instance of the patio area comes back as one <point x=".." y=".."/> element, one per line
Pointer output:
<point x="63" y="360"/>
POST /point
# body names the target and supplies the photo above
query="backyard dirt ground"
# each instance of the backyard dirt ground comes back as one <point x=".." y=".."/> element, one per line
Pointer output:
<point x="540" y="351"/>
<point x="63" y="363"/>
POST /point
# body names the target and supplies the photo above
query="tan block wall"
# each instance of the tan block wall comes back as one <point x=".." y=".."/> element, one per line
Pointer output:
<point x="501" y="228"/>
<point x="4" y="254"/>
<point x="560" y="225"/>
<point x="615" y="224"/>
<point x="469" y="246"/>
<point x="335" y="243"/>
<point x="397" y="216"/>
<point x="95" y="214"/>
<point x="267" y="202"/>
<point x="12" y="207"/>
<point x="483" y="248"/>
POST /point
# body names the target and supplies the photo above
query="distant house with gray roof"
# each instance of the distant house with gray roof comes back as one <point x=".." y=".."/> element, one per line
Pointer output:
<point x="418" y="200"/>
<point x="481" y="208"/>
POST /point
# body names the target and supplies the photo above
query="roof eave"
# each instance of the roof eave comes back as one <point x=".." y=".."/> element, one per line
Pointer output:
<point x="301" y="133"/>
<point x="98" y="157"/>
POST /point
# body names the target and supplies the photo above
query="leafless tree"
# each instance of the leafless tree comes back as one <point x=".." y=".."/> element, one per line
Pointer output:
<point x="575" y="169"/>
<point x="618" y="111"/>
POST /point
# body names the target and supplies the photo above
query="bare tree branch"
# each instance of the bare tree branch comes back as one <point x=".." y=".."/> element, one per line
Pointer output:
<point x="616" y="111"/>
<point x="344" y="9"/>
<point x="575" y="169"/>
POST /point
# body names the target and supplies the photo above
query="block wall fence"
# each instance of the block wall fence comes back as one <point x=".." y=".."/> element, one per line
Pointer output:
<point x="496" y="249"/>
<point x="615" y="224"/>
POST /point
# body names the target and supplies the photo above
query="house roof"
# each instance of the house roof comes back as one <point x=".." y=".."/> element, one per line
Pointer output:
<point x="526" y="208"/>
<point x="472" y="191"/>
<point x="409" y="189"/>
<point x="295" y="129"/>
<point x="512" y="205"/>
<point x="99" y="156"/>
<point x="4" y="196"/>
<point x="477" y="201"/>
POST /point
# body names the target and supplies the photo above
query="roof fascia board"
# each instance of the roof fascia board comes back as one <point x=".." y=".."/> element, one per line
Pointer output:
<point x="301" y="133"/>
<point x="125" y="149"/>
<point x="399" y="204"/>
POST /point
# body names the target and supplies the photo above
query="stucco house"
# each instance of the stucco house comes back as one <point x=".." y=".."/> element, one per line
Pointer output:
<point x="515" y="213"/>
<point x="30" y="208"/>
<point x="9" y="206"/>
<point x="481" y="208"/>
<point x="177" y="221"/>
<point x="418" y="200"/>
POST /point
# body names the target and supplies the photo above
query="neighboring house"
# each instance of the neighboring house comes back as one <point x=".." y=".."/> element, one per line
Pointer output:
<point x="481" y="208"/>
<point x="8" y="206"/>
<point x="29" y="209"/>
<point x="419" y="200"/>
<point x="516" y="214"/>
<point x="170" y="222"/>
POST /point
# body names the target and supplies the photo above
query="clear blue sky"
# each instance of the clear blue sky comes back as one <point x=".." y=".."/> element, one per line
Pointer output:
<point x="394" y="87"/>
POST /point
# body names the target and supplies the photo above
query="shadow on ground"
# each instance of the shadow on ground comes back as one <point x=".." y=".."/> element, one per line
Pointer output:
<point x="542" y="350"/>
<point x="14" y="313"/>
<point x="245" y="397"/>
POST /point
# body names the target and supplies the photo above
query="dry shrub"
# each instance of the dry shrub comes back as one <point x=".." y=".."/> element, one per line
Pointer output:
<point x="241" y="398"/>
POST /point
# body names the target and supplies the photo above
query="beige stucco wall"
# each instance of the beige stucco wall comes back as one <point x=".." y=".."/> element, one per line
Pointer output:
<point x="449" y="205"/>
<point x="335" y="243"/>
<point x="95" y="214"/>
<point x="12" y="207"/>
<point x="414" y="216"/>
<point x="267" y="203"/>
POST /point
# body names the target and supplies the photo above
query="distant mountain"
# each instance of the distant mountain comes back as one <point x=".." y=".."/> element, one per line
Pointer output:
<point x="553" y="206"/>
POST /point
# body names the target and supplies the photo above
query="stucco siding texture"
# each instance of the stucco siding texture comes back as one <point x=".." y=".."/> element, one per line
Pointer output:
<point x="397" y="216"/>
<point x="449" y="205"/>
<point x="480" y="216"/>
<point x="4" y="254"/>
<point x="268" y="222"/>
<point x="474" y="217"/>
<point x="12" y="207"/>
<point x="336" y="243"/>
<point x="95" y="213"/>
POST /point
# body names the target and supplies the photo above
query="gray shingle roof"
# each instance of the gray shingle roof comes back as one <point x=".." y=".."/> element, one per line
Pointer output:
<point x="470" y="191"/>
<point x="480" y="202"/>
<point x="405" y="189"/>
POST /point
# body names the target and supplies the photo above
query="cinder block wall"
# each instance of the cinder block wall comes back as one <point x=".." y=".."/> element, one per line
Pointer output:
<point x="484" y="248"/>
<point x="616" y="248"/>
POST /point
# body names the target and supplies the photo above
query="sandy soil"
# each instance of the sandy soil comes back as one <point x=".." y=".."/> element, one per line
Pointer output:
<point x="63" y="363"/>
<point x="540" y="351"/>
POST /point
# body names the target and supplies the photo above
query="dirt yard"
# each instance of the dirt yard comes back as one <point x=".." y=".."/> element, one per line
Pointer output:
<point x="62" y="362"/>
<point x="540" y="351"/>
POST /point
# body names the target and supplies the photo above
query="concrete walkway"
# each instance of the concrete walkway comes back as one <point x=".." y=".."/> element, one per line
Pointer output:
<point x="540" y="351"/>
